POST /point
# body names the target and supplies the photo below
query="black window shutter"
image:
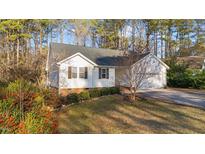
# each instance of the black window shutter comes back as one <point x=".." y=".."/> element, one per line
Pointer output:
<point x="99" y="73"/>
<point x="69" y="72"/>
<point x="107" y="73"/>
<point x="86" y="72"/>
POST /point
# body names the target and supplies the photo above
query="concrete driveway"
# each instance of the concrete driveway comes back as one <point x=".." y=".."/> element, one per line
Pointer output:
<point x="195" y="98"/>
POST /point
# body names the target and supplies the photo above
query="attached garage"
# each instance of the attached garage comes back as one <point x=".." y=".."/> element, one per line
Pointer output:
<point x="149" y="72"/>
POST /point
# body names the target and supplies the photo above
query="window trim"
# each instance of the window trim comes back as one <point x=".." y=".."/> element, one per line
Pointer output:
<point x="85" y="73"/>
<point x="106" y="73"/>
<point x="69" y="72"/>
<point x="72" y="72"/>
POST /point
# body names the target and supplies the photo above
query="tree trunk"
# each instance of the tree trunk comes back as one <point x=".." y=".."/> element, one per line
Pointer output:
<point x="166" y="46"/>
<point x="147" y="41"/>
<point x="17" y="51"/>
<point x="155" y="43"/>
<point x="7" y="53"/>
<point x="27" y="48"/>
<point x="84" y="41"/>
<point x="41" y="40"/>
<point x="51" y="36"/>
<point x="61" y="35"/>
<point x="133" y="35"/>
<point x="162" y="44"/>
<point x="169" y="41"/>
<point x="36" y="42"/>
<point x="8" y="56"/>
<point x="93" y="39"/>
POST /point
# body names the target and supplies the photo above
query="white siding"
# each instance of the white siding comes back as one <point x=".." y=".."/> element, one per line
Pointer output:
<point x="158" y="80"/>
<point x="76" y="61"/>
<point x="103" y="82"/>
<point x="93" y="77"/>
<point x="154" y="66"/>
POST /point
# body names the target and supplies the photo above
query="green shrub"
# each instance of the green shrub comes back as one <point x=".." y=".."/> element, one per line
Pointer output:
<point x="73" y="98"/>
<point x="38" y="123"/>
<point x="21" y="85"/>
<point x="21" y="110"/>
<point x="179" y="80"/>
<point x="13" y="120"/>
<point x="95" y="92"/>
<point x="3" y="84"/>
<point x="39" y="101"/>
<point x="63" y="100"/>
<point x="105" y="91"/>
<point x="115" y="90"/>
<point x="197" y="79"/>
<point x="110" y="91"/>
<point x="24" y="92"/>
<point x="48" y="93"/>
<point x="52" y="98"/>
<point x="84" y="95"/>
<point x="182" y="77"/>
<point x="2" y="93"/>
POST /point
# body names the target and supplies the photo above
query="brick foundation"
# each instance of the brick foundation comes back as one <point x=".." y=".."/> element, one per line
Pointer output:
<point x="124" y="89"/>
<point x="65" y="92"/>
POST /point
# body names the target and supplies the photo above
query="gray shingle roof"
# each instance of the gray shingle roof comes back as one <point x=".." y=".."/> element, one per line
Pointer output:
<point x="108" y="57"/>
<point x="194" y="62"/>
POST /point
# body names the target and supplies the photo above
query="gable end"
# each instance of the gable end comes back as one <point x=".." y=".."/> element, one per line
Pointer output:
<point x="77" y="54"/>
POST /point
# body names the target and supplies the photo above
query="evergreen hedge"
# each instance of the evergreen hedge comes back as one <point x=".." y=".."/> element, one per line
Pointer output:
<point x="92" y="93"/>
<point x="181" y="77"/>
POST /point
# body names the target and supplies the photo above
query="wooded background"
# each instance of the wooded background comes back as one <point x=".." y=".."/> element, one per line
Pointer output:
<point x="24" y="43"/>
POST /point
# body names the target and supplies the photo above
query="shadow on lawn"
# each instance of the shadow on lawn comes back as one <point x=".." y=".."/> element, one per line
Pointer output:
<point x="179" y="119"/>
<point x="111" y="116"/>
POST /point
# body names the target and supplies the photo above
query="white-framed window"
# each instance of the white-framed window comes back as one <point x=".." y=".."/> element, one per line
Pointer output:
<point x="83" y="72"/>
<point x="103" y="73"/>
<point x="72" y="72"/>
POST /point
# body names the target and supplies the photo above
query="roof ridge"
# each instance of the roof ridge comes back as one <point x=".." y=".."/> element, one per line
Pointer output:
<point x="86" y="47"/>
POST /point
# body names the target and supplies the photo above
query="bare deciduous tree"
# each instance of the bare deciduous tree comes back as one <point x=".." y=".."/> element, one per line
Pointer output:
<point x="135" y="71"/>
<point x="133" y="74"/>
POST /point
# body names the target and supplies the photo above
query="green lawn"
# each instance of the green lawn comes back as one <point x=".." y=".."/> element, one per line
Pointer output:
<point x="111" y="114"/>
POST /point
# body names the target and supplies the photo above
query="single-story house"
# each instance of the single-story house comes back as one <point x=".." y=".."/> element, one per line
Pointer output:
<point x="72" y="67"/>
<point x="193" y="62"/>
